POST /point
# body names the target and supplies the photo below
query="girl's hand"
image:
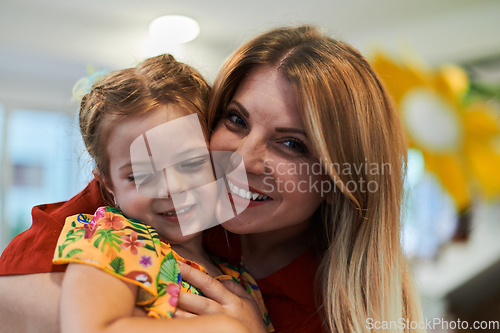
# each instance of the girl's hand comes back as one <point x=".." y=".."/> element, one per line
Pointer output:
<point x="95" y="301"/>
<point x="221" y="298"/>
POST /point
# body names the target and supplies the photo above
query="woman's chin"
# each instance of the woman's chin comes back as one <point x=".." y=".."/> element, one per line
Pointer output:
<point x="240" y="225"/>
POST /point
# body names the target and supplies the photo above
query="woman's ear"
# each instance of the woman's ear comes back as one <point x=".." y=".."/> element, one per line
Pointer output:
<point x="329" y="198"/>
<point x="328" y="194"/>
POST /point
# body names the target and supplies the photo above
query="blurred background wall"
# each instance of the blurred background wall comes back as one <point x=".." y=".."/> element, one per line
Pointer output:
<point x="449" y="51"/>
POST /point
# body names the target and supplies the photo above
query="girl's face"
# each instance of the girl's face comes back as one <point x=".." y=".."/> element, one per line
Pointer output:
<point x="156" y="208"/>
<point x="263" y="123"/>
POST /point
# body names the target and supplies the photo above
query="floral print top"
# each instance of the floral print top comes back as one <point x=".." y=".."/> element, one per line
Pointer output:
<point x="132" y="251"/>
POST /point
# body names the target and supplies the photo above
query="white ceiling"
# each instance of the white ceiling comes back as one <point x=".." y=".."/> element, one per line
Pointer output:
<point x="46" y="45"/>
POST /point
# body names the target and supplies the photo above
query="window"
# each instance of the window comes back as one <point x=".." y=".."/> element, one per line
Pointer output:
<point x="40" y="165"/>
<point x="429" y="214"/>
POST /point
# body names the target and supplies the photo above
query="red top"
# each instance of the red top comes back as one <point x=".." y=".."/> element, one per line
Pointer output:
<point x="288" y="293"/>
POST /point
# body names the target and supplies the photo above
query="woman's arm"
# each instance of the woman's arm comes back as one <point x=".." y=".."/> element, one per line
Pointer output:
<point x="30" y="303"/>
<point x="95" y="301"/>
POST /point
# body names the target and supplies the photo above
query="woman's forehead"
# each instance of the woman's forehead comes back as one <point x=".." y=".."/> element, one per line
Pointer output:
<point x="270" y="82"/>
<point x="269" y="98"/>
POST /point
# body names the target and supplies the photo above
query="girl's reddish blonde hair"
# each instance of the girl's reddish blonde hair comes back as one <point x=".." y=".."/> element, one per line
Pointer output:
<point x="131" y="92"/>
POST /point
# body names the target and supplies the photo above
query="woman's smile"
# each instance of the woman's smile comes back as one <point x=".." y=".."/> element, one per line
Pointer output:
<point x="246" y="196"/>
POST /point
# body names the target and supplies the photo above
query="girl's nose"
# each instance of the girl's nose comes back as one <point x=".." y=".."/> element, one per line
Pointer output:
<point x="175" y="181"/>
<point x="163" y="189"/>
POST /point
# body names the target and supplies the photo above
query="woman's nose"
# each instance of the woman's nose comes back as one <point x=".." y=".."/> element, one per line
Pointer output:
<point x="253" y="151"/>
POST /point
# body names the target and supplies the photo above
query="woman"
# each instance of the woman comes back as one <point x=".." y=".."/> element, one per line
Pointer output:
<point x="320" y="137"/>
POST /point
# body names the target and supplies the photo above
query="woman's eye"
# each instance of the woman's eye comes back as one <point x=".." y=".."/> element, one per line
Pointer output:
<point x="235" y="118"/>
<point x="296" y="145"/>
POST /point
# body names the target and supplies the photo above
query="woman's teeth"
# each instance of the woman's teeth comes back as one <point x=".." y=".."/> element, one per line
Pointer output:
<point x="246" y="194"/>
<point x="177" y="212"/>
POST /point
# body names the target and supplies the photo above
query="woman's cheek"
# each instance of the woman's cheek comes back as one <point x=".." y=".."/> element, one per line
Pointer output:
<point x="298" y="184"/>
<point x="283" y="179"/>
<point x="220" y="139"/>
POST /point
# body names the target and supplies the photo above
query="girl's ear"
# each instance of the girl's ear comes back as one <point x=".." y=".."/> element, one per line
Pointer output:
<point x="97" y="174"/>
<point x="103" y="180"/>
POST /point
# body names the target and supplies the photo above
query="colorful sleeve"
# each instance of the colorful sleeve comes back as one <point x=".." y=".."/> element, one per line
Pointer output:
<point x="249" y="283"/>
<point x="126" y="249"/>
<point x="242" y="277"/>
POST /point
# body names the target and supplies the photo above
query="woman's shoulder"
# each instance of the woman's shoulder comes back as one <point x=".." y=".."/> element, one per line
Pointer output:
<point x="31" y="251"/>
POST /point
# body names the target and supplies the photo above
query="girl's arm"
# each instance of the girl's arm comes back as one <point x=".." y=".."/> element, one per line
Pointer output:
<point x="95" y="301"/>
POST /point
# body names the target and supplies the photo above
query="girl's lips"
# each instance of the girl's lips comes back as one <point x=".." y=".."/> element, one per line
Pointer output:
<point x="184" y="213"/>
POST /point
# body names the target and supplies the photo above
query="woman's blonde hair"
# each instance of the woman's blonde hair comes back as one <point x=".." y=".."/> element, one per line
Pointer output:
<point x="131" y="92"/>
<point x="352" y="123"/>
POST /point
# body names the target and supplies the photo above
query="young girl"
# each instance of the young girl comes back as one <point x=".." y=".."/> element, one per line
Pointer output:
<point x="122" y="246"/>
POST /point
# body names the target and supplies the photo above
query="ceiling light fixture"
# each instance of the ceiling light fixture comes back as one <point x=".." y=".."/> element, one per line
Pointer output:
<point x="173" y="29"/>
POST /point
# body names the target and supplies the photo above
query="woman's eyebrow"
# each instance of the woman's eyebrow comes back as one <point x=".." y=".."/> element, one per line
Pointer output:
<point x="242" y="108"/>
<point x="277" y="129"/>
<point x="290" y="130"/>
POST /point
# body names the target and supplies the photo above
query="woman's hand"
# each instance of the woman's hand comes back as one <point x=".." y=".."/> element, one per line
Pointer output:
<point x="226" y="297"/>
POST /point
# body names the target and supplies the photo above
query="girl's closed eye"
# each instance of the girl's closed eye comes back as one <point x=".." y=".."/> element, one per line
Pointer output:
<point x="140" y="178"/>
<point x="193" y="164"/>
